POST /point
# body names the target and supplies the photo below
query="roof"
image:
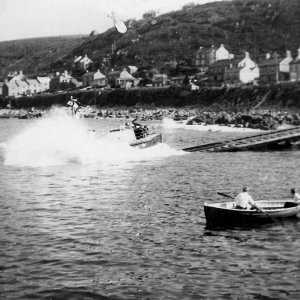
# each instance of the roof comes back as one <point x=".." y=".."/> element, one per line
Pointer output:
<point x="225" y="62"/>
<point x="113" y="73"/>
<point x="295" y="61"/>
<point x="206" y="49"/>
<point x="270" y="61"/>
<point x="32" y="81"/>
<point x="88" y="74"/>
<point x="125" y="75"/>
<point x="98" y="75"/>
<point x="43" y="79"/>
<point x="234" y="69"/>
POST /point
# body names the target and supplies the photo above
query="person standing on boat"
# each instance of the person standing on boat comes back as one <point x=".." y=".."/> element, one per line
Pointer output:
<point x="243" y="200"/>
<point x="296" y="196"/>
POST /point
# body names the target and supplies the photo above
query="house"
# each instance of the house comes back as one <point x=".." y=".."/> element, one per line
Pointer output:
<point x="18" y="77"/>
<point x="269" y="69"/>
<point x="34" y="86"/>
<point x="44" y="83"/>
<point x="149" y="14"/>
<point x="126" y="80"/>
<point x="178" y="80"/>
<point x="160" y="80"/>
<point x="222" y="53"/>
<point x="295" y="68"/>
<point x="85" y="62"/>
<point x="1" y="88"/>
<point x="65" y="77"/>
<point x="112" y="78"/>
<point x="15" y="88"/>
<point x="87" y="79"/>
<point x="93" y="79"/>
<point x="216" y="71"/>
<point x="205" y="56"/>
<point x="132" y="69"/>
<point x="245" y="71"/>
<point x="99" y="79"/>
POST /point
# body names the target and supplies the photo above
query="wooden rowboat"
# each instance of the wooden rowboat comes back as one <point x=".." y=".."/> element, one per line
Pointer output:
<point x="224" y="214"/>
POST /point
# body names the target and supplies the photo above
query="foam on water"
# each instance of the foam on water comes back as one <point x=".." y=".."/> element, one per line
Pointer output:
<point x="169" y="123"/>
<point x="61" y="139"/>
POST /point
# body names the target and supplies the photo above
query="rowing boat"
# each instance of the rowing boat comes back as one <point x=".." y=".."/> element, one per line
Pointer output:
<point x="224" y="214"/>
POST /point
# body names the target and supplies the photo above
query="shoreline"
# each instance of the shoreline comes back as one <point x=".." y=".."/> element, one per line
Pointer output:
<point x="192" y="117"/>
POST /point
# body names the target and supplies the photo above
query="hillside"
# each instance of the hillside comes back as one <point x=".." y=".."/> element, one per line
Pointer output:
<point x="257" y="26"/>
<point x="35" y="55"/>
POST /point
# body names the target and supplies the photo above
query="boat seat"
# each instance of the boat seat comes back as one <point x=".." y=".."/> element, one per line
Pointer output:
<point x="290" y="204"/>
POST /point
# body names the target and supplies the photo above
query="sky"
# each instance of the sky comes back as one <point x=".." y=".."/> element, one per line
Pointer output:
<point x="20" y="19"/>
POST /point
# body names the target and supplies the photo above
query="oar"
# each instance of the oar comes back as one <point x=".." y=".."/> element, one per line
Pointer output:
<point x="257" y="208"/>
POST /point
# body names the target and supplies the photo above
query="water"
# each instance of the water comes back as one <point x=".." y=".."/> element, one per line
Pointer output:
<point x="85" y="216"/>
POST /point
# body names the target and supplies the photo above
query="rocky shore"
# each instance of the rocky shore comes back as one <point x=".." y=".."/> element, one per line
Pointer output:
<point x="264" y="120"/>
<point x="257" y="107"/>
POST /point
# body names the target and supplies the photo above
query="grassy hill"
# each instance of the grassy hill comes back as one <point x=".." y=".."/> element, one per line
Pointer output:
<point x="36" y="55"/>
<point x="257" y="26"/>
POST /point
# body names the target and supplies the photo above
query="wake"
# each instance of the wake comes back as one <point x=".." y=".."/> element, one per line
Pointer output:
<point x="61" y="139"/>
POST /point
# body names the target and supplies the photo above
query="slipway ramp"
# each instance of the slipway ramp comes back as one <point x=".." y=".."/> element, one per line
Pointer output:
<point x="273" y="140"/>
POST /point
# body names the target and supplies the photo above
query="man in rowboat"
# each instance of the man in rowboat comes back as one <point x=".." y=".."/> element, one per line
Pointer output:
<point x="243" y="200"/>
<point x="296" y="195"/>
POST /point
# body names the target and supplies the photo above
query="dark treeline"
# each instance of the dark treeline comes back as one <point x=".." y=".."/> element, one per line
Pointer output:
<point x="275" y="97"/>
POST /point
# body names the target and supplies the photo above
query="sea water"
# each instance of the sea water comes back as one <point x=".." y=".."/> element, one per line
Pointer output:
<point x="86" y="216"/>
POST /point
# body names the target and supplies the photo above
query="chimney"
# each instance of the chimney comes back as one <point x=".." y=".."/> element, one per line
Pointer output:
<point x="21" y="72"/>
<point x="288" y="54"/>
<point x="247" y="55"/>
<point x="298" y="53"/>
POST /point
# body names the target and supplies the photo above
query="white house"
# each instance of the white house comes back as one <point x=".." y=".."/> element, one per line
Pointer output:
<point x="284" y="65"/>
<point x="18" y="77"/>
<point x="34" y="86"/>
<point x="126" y="80"/>
<point x="247" y="62"/>
<point x="44" y="82"/>
<point x="249" y="74"/>
<point x="85" y="62"/>
<point x="99" y="79"/>
<point x="65" y="77"/>
<point x="222" y="53"/>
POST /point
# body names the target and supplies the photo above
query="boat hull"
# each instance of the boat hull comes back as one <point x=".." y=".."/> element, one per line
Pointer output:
<point x="149" y="141"/>
<point x="223" y="214"/>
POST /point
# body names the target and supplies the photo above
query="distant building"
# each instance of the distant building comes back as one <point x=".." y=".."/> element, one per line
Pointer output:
<point x="160" y="80"/>
<point x="94" y="79"/>
<point x="34" y="86"/>
<point x="99" y="79"/>
<point x="112" y="78"/>
<point x="188" y="6"/>
<point x="1" y="88"/>
<point x="178" y="80"/>
<point x="18" y="77"/>
<point x="222" y="53"/>
<point x="126" y="80"/>
<point x="65" y="77"/>
<point x="44" y="82"/>
<point x="269" y="69"/>
<point x="295" y="68"/>
<point x="216" y="71"/>
<point x="85" y="62"/>
<point x="15" y="88"/>
<point x="87" y="79"/>
<point x="149" y="14"/>
<point x="205" y="56"/>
